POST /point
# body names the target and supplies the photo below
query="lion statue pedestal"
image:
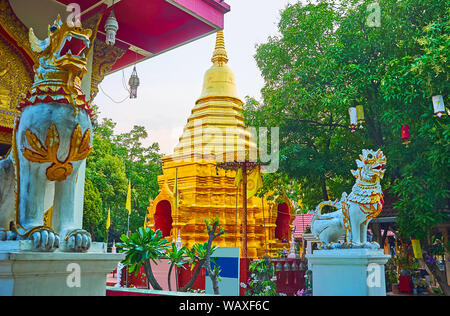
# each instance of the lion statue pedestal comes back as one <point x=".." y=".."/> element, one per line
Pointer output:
<point x="348" y="272"/>
<point x="26" y="272"/>
<point x="356" y="266"/>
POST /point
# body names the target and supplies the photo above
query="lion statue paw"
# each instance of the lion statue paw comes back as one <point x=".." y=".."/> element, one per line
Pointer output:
<point x="44" y="239"/>
<point x="78" y="240"/>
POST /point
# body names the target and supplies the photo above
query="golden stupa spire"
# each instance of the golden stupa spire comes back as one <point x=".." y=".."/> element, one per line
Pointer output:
<point x="219" y="79"/>
<point x="220" y="56"/>
<point x="217" y="112"/>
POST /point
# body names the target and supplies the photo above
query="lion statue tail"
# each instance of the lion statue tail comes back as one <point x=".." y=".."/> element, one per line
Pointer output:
<point x="322" y="224"/>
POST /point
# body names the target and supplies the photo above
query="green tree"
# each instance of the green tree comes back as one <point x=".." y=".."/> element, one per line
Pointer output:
<point x="302" y="98"/>
<point x="92" y="211"/>
<point x="422" y="186"/>
<point x="326" y="59"/>
<point x="142" y="165"/>
<point x="114" y="160"/>
<point x="106" y="172"/>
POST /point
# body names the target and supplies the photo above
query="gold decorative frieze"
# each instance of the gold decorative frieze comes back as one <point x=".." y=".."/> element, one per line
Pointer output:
<point x="16" y="73"/>
<point x="104" y="59"/>
<point x="15" y="28"/>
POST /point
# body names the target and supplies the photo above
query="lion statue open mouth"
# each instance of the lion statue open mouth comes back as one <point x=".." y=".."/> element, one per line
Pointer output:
<point x="50" y="142"/>
<point x="354" y="211"/>
<point x="65" y="47"/>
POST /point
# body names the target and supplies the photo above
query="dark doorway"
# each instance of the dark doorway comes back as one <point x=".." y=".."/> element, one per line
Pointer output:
<point x="163" y="217"/>
<point x="282" y="222"/>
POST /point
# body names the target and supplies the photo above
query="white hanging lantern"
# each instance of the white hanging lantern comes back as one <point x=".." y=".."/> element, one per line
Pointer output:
<point x="353" y="118"/>
<point x="438" y="105"/>
<point x="134" y="84"/>
<point x="111" y="28"/>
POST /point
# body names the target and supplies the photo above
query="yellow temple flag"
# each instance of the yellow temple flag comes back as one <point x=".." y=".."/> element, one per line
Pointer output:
<point x="417" y="249"/>
<point x="108" y="221"/>
<point x="128" y="205"/>
<point x="254" y="182"/>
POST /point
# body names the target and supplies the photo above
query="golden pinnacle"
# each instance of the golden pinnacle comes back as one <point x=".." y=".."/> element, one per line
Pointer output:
<point x="220" y="56"/>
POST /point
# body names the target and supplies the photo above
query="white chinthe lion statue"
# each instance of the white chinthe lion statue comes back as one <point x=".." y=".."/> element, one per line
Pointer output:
<point x="50" y="142"/>
<point x="356" y="210"/>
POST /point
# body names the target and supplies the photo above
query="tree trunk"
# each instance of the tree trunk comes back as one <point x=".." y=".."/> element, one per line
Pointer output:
<point x="438" y="275"/>
<point x="212" y="236"/>
<point x="150" y="276"/>
<point x="324" y="190"/>
<point x="383" y="238"/>
<point x="176" y="278"/>
<point x="168" y="278"/>
<point x="376" y="230"/>
<point x="433" y="269"/>
<point x="215" y="282"/>
<point x="194" y="277"/>
<point x="212" y="276"/>
<point x="92" y="233"/>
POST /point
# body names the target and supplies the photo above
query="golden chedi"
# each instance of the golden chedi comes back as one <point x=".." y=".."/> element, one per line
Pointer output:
<point x="192" y="188"/>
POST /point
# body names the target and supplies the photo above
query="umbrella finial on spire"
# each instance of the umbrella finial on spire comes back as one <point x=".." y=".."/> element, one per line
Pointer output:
<point x="220" y="54"/>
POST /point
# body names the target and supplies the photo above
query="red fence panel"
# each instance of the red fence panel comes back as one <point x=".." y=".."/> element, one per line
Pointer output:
<point x="290" y="275"/>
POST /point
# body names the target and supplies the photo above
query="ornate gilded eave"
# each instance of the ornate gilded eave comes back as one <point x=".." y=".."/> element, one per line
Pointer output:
<point x="16" y="68"/>
<point x="15" y="29"/>
<point x="104" y="59"/>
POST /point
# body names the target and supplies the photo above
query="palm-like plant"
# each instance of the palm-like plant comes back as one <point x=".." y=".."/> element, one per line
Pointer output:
<point x="141" y="247"/>
<point x="177" y="260"/>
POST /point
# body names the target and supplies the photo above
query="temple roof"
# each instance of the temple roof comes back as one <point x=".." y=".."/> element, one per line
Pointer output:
<point x="149" y="28"/>
<point x="215" y="129"/>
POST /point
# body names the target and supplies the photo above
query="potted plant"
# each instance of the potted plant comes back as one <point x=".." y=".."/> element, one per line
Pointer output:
<point x="392" y="278"/>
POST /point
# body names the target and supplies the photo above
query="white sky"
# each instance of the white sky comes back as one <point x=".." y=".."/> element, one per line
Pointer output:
<point x="172" y="82"/>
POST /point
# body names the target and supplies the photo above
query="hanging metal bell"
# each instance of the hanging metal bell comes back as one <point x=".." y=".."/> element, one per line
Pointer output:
<point x="111" y="28"/>
<point x="134" y="84"/>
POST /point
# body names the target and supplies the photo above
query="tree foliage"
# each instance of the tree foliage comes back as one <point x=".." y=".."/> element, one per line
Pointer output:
<point x="115" y="160"/>
<point x="327" y="59"/>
